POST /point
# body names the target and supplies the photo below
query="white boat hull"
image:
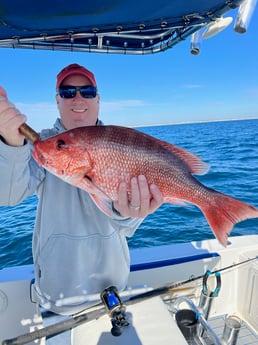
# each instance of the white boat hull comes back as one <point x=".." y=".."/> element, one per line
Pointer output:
<point x="150" y="321"/>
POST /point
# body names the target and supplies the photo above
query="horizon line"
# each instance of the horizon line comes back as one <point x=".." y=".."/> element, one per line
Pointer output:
<point x="196" y="121"/>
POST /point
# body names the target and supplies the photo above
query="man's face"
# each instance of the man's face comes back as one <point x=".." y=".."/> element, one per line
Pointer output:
<point x="78" y="111"/>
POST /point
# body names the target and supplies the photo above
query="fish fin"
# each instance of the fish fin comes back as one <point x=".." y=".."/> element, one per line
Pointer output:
<point x="100" y="198"/>
<point x="224" y="212"/>
<point x="175" y="201"/>
<point x="194" y="163"/>
<point x="103" y="204"/>
<point x="87" y="183"/>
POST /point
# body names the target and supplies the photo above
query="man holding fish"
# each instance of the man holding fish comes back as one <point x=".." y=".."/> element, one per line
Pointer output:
<point x="77" y="249"/>
<point x="115" y="177"/>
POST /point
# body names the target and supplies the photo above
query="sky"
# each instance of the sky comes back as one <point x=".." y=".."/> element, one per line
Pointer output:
<point x="169" y="87"/>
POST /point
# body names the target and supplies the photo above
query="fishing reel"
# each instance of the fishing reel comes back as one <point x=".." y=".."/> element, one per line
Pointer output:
<point x="116" y="310"/>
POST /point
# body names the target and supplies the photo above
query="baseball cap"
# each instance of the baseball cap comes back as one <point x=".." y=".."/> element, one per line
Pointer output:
<point x="74" y="69"/>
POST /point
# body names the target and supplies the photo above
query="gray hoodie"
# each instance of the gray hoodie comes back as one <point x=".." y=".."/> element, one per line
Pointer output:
<point x="77" y="250"/>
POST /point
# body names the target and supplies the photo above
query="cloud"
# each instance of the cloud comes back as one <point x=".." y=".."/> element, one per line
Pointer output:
<point x="39" y="115"/>
<point x="191" y="86"/>
<point x="37" y="107"/>
<point x="43" y="114"/>
<point x="108" y="106"/>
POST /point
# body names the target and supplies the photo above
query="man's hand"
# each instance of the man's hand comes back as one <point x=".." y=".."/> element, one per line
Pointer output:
<point x="10" y="121"/>
<point x="143" y="199"/>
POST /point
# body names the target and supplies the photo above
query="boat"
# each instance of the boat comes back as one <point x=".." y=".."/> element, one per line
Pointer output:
<point x="185" y="293"/>
<point x="163" y="281"/>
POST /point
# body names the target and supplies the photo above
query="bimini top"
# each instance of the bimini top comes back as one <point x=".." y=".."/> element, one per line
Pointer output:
<point x="123" y="26"/>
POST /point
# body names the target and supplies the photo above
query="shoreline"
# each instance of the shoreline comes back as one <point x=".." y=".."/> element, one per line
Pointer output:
<point x="193" y="122"/>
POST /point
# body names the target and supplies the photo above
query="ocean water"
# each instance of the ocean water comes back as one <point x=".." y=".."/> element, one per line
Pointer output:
<point x="231" y="149"/>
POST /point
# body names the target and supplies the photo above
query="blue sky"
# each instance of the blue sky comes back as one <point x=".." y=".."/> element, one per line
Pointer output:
<point x="169" y="87"/>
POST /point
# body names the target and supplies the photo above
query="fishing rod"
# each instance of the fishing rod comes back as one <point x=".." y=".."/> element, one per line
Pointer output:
<point x="166" y="289"/>
<point x="77" y="320"/>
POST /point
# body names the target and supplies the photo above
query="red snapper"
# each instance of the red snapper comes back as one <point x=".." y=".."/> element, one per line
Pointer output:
<point x="98" y="158"/>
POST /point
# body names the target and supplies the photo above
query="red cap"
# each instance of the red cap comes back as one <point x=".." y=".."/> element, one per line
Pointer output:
<point x="75" y="69"/>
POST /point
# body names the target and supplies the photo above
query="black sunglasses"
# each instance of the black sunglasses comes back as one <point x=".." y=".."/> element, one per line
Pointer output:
<point x="67" y="91"/>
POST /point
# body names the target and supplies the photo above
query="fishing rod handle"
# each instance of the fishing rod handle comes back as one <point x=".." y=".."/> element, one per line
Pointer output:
<point x="48" y="331"/>
<point x="29" y="133"/>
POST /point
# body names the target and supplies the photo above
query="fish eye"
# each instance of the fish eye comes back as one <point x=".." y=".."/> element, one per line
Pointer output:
<point x="60" y="144"/>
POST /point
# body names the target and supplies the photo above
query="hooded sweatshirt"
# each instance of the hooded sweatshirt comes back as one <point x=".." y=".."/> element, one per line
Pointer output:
<point x="78" y="251"/>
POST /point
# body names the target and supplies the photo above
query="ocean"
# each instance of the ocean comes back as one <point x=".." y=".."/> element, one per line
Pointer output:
<point x="230" y="147"/>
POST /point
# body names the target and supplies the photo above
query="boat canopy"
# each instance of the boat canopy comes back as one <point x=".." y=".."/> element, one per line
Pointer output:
<point x="126" y="26"/>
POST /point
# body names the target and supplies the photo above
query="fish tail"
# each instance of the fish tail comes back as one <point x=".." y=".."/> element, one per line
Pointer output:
<point x="224" y="212"/>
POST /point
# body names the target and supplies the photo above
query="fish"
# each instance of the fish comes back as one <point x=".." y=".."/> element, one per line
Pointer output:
<point x="98" y="158"/>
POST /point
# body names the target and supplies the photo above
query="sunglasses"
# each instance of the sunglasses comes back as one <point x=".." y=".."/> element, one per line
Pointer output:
<point x="68" y="91"/>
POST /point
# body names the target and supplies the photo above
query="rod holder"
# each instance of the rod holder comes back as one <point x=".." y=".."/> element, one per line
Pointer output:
<point x="231" y="330"/>
<point x="245" y="13"/>
<point x="205" y="304"/>
<point x="196" y="41"/>
<point x="187" y="321"/>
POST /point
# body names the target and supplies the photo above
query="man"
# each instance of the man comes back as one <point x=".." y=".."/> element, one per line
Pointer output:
<point x="77" y="250"/>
